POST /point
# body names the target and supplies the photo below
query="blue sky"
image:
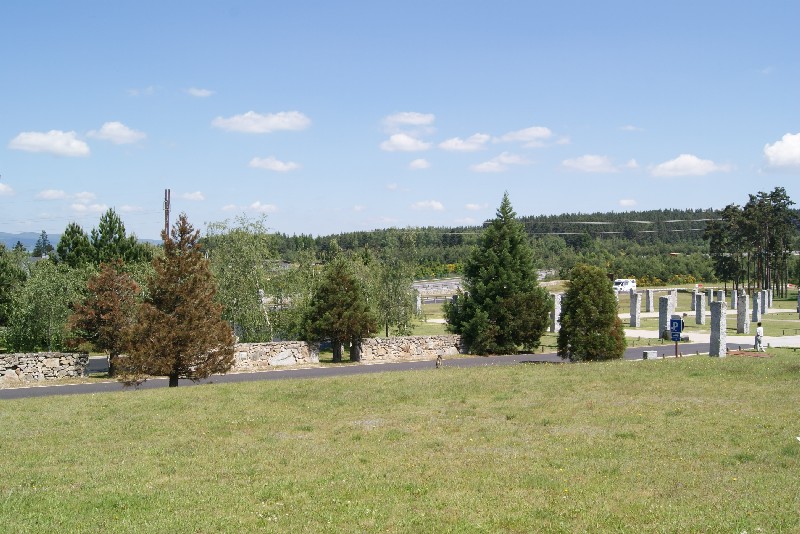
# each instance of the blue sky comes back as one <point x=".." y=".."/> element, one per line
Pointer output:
<point x="341" y="116"/>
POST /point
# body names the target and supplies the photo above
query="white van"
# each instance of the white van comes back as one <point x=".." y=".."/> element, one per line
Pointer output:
<point x="624" y="284"/>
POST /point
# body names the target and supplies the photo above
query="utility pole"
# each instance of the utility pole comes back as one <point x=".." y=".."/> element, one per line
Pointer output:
<point x="166" y="213"/>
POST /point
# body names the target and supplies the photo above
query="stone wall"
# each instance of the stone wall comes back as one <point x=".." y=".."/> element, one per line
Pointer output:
<point x="40" y="366"/>
<point x="258" y="356"/>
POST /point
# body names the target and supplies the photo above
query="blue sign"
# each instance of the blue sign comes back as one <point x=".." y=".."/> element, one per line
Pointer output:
<point x="676" y="336"/>
<point x="675" y="327"/>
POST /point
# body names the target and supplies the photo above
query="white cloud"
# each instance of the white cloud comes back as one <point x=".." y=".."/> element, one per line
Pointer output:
<point x="54" y="142"/>
<point x="402" y="142"/>
<point x="627" y="202"/>
<point x="590" y="163"/>
<point x="6" y="190"/>
<point x="631" y="164"/>
<point x="117" y="133"/>
<point x="229" y="207"/>
<point x="147" y="91"/>
<point x="252" y="122"/>
<point x="784" y="153"/>
<point x="51" y="194"/>
<point x="427" y="205"/>
<point x="89" y="208"/>
<point x="358" y="208"/>
<point x="531" y="137"/>
<point x="419" y="164"/>
<point x="127" y="208"/>
<point x="197" y="195"/>
<point x="84" y="197"/>
<point x="272" y="164"/>
<point x="500" y="163"/>
<point x="471" y="144"/>
<point x="688" y="165"/>
<point x="409" y="118"/>
<point x="475" y="207"/>
<point x="199" y="93"/>
<point x="263" y="208"/>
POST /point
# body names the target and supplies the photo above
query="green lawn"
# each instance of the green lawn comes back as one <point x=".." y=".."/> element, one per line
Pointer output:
<point x="691" y="445"/>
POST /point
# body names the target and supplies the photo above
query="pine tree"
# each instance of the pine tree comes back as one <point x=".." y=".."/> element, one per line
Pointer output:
<point x="590" y="326"/>
<point x="502" y="305"/>
<point x="42" y="247"/>
<point x="179" y="331"/>
<point x="106" y="314"/>
<point x="339" y="311"/>
<point x="74" y="247"/>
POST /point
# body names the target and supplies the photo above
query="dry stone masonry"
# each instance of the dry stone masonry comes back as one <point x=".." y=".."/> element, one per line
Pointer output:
<point x="35" y="367"/>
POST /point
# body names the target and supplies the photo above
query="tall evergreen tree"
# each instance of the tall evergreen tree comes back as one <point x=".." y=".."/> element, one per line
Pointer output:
<point x="502" y="305"/>
<point x="11" y="276"/>
<point x="179" y="331"/>
<point x="339" y="311"/>
<point x="111" y="242"/>
<point x="104" y="316"/>
<point x="590" y="326"/>
<point x="74" y="247"/>
<point x="42" y="246"/>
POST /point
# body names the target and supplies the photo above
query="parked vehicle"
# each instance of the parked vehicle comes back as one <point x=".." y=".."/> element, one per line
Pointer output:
<point x="624" y="284"/>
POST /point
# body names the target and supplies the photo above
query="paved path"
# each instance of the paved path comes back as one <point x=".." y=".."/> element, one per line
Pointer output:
<point x="345" y="369"/>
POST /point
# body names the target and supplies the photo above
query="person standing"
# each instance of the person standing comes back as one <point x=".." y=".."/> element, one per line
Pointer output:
<point x="759" y="345"/>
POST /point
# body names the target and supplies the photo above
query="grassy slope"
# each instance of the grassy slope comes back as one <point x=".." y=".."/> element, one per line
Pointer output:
<point x="697" y="444"/>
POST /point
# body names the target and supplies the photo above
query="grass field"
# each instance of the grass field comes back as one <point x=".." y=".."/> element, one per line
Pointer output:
<point x="691" y="445"/>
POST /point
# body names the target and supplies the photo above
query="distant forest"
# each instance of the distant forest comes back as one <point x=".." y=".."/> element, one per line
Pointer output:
<point x="655" y="246"/>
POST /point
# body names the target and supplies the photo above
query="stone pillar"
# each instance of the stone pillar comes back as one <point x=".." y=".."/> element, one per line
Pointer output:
<point x="719" y="329"/>
<point x="664" y="313"/>
<point x="700" y="309"/>
<point x="710" y="293"/>
<point x="555" y="315"/>
<point x="742" y="319"/>
<point x="636" y="309"/>
<point x="694" y="300"/>
<point x="771" y="293"/>
<point x="673" y="294"/>
<point x="721" y="295"/>
<point x="757" y="296"/>
<point x="419" y="304"/>
<point x="764" y="299"/>
<point x="648" y="300"/>
<point x="734" y="300"/>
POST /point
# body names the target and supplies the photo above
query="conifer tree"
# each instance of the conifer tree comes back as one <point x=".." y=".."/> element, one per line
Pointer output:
<point x="502" y="305"/>
<point x="105" y="315"/>
<point x="339" y="311"/>
<point x="74" y="247"/>
<point x="179" y="331"/>
<point x="590" y="326"/>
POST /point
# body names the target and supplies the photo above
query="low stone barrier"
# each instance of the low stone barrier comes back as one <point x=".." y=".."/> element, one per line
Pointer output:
<point x="39" y="366"/>
<point x="257" y="356"/>
<point x="410" y="347"/>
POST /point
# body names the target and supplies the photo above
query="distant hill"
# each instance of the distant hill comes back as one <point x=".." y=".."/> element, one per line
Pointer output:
<point x="28" y="239"/>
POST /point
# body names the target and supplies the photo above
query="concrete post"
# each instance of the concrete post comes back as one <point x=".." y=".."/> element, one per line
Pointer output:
<point x="734" y="300"/>
<point x="648" y="300"/>
<point x="636" y="309"/>
<point x="700" y="309"/>
<point x="555" y="315"/>
<point x="710" y="293"/>
<point x="721" y="295"/>
<point x="742" y="318"/>
<point x="719" y="329"/>
<point x="664" y="313"/>
<point x="694" y="300"/>
<point x="757" y="296"/>
<point x="764" y="300"/>
<point x="673" y="295"/>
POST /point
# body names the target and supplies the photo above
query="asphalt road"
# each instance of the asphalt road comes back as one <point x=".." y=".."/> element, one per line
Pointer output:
<point x="345" y="369"/>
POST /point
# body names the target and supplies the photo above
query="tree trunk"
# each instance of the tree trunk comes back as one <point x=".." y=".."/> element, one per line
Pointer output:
<point x="355" y="350"/>
<point x="112" y="365"/>
<point x="337" y="350"/>
<point x="173" y="380"/>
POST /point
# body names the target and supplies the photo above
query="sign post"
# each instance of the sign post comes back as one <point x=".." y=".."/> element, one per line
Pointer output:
<point x="675" y="328"/>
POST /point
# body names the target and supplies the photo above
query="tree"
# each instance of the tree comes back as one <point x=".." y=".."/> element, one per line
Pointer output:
<point x="105" y="315"/>
<point x="395" y="296"/>
<point x="243" y="263"/>
<point x="42" y="247"/>
<point x="11" y="276"/>
<point x="110" y="241"/>
<point x="590" y="326"/>
<point x="74" y="247"/>
<point x="40" y="307"/>
<point x="179" y="331"/>
<point x="339" y="311"/>
<point x="502" y="305"/>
